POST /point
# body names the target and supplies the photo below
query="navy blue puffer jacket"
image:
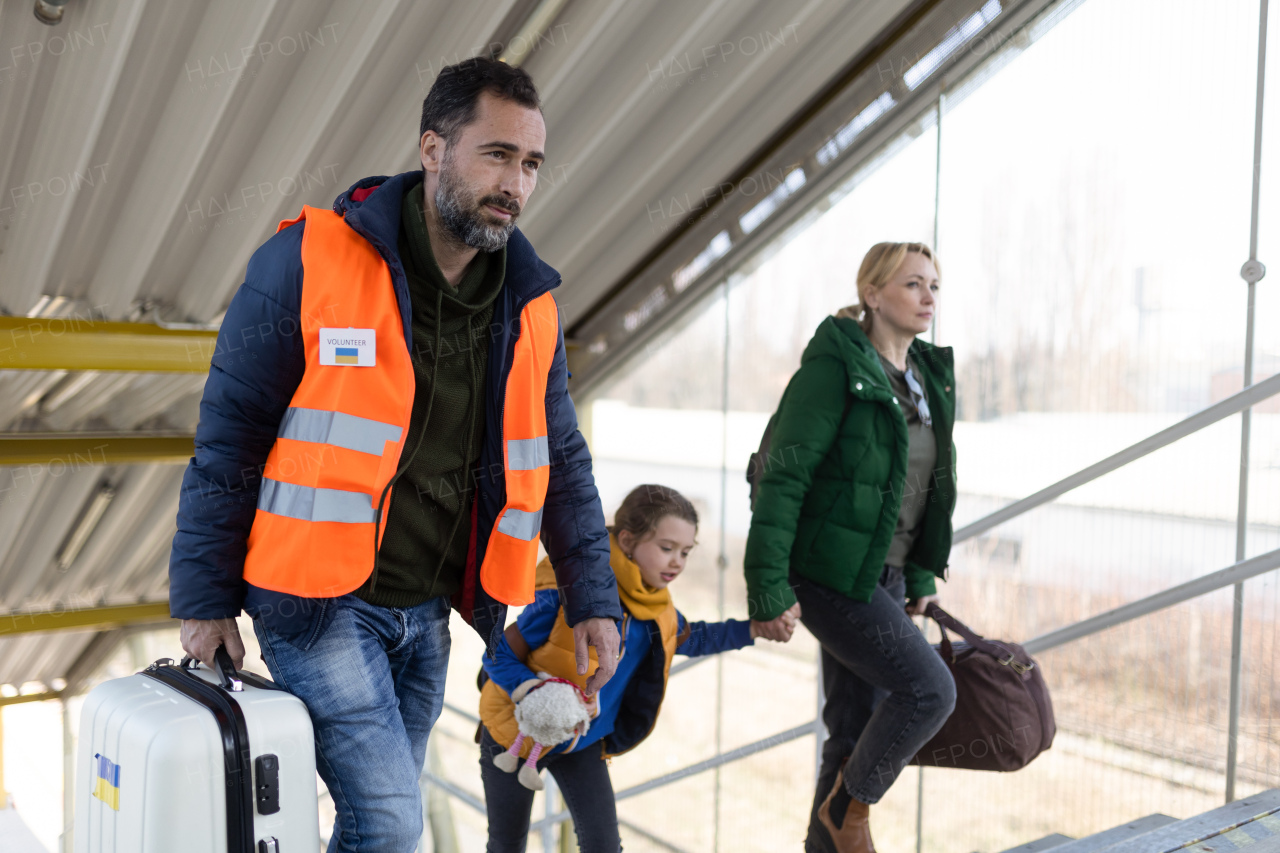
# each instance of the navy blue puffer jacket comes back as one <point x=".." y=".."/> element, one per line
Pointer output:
<point x="257" y="366"/>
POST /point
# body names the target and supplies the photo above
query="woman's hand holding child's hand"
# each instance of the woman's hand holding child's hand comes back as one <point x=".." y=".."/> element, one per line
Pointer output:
<point x="778" y="629"/>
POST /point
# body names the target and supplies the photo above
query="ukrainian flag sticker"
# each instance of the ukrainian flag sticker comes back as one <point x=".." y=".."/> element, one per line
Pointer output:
<point x="107" y="787"/>
<point x="353" y="347"/>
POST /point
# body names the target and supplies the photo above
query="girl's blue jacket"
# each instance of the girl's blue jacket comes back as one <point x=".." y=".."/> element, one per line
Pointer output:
<point x="642" y="646"/>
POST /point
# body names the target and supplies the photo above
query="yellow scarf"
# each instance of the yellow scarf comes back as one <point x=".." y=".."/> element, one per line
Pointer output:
<point x="642" y="601"/>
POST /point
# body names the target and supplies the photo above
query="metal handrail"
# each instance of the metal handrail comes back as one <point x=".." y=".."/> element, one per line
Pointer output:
<point x="674" y="776"/>
<point x="677" y="668"/>
<point x="721" y="759"/>
<point x="464" y="796"/>
<point x="1237" y="402"/>
<point x="700" y="767"/>
<point x="466" y="715"/>
<point x="1233" y="574"/>
<point x="1207" y="416"/>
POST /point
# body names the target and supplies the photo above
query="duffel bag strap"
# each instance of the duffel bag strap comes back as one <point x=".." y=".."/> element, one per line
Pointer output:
<point x="944" y="648"/>
<point x="1001" y="653"/>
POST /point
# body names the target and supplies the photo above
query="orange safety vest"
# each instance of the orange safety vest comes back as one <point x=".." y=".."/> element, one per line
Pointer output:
<point x="317" y="528"/>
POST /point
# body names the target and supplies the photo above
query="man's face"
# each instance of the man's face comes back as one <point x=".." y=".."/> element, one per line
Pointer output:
<point x="483" y="179"/>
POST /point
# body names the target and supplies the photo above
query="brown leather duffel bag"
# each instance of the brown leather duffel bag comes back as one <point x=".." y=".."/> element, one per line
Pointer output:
<point x="1003" y="717"/>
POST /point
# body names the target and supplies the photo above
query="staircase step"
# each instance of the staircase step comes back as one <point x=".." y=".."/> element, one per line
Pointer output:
<point x="1091" y="843"/>
<point x="1117" y="834"/>
<point x="1261" y="835"/>
<point x="1242" y="813"/>
<point x="1049" y="842"/>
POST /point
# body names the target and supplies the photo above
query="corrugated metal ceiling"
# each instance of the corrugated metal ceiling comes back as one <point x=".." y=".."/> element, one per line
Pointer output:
<point x="147" y="148"/>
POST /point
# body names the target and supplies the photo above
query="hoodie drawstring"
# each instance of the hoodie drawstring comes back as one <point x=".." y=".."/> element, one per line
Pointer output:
<point x="426" y="420"/>
<point x="471" y="435"/>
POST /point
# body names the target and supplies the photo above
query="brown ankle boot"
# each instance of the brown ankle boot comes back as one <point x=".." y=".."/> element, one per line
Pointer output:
<point x="847" y="820"/>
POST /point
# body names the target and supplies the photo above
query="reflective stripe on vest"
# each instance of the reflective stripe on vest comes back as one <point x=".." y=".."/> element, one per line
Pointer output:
<point x="521" y="524"/>
<point x="311" y="504"/>
<point x="512" y="553"/>
<point x="340" y="440"/>
<point x="338" y="429"/>
<point x="525" y="454"/>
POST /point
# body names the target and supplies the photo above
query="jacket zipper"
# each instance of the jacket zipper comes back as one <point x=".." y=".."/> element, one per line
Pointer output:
<point x="518" y="310"/>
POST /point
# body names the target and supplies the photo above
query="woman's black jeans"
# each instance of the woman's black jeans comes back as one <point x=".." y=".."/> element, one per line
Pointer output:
<point x="584" y="783"/>
<point x="887" y="690"/>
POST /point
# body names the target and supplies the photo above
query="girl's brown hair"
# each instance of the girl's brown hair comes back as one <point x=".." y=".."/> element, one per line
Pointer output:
<point x="878" y="266"/>
<point x="647" y="505"/>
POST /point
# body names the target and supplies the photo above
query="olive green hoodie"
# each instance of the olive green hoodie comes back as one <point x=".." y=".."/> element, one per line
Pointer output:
<point x="829" y="496"/>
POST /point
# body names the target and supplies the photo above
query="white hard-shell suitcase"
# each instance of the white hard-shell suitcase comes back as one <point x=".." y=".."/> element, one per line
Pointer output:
<point x="181" y="758"/>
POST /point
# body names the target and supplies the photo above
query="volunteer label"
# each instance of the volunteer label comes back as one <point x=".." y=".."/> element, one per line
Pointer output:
<point x="349" y="347"/>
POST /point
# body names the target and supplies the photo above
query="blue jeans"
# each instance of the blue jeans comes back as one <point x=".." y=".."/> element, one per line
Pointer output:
<point x="373" y="681"/>
<point x="887" y="690"/>
<point x="583" y="779"/>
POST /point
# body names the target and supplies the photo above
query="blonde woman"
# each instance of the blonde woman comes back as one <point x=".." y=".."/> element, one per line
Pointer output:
<point x="855" y="526"/>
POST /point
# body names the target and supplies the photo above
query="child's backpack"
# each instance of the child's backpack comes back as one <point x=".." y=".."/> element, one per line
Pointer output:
<point x="760" y="461"/>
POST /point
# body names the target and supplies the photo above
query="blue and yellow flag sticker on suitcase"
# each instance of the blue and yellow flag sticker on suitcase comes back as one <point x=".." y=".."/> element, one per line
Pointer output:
<point x="107" y="787"/>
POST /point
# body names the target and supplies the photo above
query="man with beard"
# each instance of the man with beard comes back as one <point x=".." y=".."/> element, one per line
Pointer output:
<point x="386" y="431"/>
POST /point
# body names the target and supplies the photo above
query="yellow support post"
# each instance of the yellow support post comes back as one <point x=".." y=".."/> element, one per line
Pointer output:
<point x="97" y="618"/>
<point x="73" y="343"/>
<point x="87" y="449"/>
<point x="4" y="792"/>
<point x="23" y="698"/>
<point x="67" y="841"/>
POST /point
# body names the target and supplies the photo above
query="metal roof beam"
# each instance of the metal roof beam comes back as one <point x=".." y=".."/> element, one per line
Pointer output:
<point x="95" y="655"/>
<point x="710" y="242"/>
<point x="71" y="343"/>
<point x="76" y="450"/>
<point x="22" y="698"/>
<point x="93" y="617"/>
<point x="535" y="27"/>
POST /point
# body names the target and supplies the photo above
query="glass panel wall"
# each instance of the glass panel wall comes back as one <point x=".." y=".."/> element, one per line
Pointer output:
<point x="664" y="421"/>
<point x="663" y="424"/>
<point x="1260" y="721"/>
<point x="1093" y="188"/>
<point x="1092" y="238"/>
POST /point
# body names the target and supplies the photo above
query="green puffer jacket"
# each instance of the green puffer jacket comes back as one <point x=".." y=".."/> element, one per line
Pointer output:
<point x="829" y="494"/>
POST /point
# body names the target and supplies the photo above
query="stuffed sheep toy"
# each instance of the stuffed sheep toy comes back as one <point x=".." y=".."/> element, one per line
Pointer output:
<point x="549" y="711"/>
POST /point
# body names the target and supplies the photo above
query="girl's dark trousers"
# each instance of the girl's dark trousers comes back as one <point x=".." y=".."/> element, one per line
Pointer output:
<point x="583" y="778"/>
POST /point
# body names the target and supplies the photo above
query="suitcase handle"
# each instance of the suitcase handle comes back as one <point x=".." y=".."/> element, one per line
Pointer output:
<point x="227" y="671"/>
<point x="223" y="666"/>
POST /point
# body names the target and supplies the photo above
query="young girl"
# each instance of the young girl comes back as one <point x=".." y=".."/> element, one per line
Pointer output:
<point x="654" y="530"/>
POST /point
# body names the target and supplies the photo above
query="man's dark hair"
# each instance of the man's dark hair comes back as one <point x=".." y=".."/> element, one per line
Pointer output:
<point x="451" y="103"/>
